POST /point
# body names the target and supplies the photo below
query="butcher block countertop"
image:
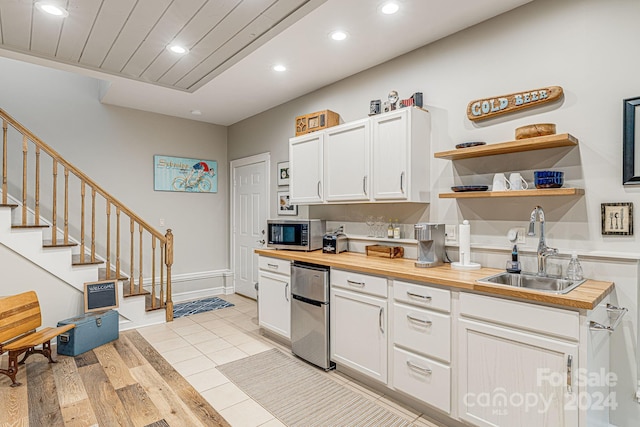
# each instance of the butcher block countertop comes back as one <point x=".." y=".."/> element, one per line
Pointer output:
<point x="586" y="296"/>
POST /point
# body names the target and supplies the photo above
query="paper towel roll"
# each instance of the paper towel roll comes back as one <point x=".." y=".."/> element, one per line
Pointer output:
<point x="464" y="239"/>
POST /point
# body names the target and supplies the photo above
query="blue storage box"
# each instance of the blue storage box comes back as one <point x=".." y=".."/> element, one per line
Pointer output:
<point x="92" y="330"/>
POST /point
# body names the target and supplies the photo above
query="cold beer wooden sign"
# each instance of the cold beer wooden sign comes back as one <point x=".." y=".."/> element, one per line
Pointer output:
<point x="481" y="109"/>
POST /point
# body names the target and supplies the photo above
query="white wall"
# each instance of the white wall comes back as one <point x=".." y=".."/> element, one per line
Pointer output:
<point x="115" y="147"/>
<point x="587" y="47"/>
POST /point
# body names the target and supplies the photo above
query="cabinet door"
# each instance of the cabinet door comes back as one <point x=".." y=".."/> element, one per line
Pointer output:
<point x="306" y="168"/>
<point x="359" y="333"/>
<point x="346" y="162"/>
<point x="512" y="378"/>
<point x="390" y="156"/>
<point x="274" y="303"/>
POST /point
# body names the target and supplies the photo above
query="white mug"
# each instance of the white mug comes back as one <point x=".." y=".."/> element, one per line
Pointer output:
<point x="500" y="182"/>
<point x="518" y="182"/>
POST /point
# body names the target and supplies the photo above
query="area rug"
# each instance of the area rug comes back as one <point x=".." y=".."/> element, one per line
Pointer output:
<point x="300" y="395"/>
<point x="199" y="306"/>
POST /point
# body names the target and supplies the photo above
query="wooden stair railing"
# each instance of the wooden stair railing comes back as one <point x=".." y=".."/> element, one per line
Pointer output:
<point x="154" y="260"/>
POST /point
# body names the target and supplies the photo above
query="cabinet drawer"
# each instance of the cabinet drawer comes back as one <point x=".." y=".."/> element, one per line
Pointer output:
<point x="359" y="282"/>
<point x="547" y="320"/>
<point x="424" y="331"/>
<point x="275" y="265"/>
<point x="422" y="378"/>
<point x="424" y="296"/>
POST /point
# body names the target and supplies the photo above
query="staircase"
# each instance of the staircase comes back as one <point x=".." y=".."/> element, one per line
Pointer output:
<point x="111" y="242"/>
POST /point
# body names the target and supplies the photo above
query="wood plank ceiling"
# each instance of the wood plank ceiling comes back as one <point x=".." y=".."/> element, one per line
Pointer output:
<point x="128" y="38"/>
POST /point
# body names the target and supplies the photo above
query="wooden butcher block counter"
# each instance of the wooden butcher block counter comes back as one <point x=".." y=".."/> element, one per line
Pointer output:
<point x="586" y="296"/>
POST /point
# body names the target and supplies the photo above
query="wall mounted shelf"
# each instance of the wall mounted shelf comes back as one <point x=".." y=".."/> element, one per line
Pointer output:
<point x="514" y="193"/>
<point x="521" y="145"/>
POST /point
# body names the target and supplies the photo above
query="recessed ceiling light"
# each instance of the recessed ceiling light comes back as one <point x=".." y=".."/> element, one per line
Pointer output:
<point x="177" y="49"/>
<point x="196" y="112"/>
<point x="339" y="35"/>
<point x="279" y="68"/>
<point x="390" y="8"/>
<point x="51" y="9"/>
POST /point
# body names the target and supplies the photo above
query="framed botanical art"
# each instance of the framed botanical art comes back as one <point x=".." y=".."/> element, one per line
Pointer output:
<point x="283" y="173"/>
<point x="284" y="206"/>
<point x="617" y="219"/>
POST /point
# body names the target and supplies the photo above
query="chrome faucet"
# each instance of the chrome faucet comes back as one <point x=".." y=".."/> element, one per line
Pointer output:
<point x="543" y="250"/>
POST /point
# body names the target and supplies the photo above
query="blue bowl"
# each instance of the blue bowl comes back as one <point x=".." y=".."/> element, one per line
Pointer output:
<point x="548" y="179"/>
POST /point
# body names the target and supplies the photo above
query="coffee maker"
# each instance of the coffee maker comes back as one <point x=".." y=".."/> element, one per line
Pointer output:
<point x="430" y="239"/>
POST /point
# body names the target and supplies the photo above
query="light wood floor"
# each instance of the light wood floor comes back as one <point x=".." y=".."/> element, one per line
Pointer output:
<point x="123" y="383"/>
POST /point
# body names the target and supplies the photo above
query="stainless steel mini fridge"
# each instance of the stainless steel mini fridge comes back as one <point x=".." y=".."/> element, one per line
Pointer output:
<point x="310" y="313"/>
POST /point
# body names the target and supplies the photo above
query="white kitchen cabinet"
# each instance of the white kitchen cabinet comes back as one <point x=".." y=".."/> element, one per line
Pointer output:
<point x="346" y="162"/>
<point x="359" y="331"/>
<point x="511" y="374"/>
<point x="274" y="296"/>
<point x="306" y="168"/>
<point x="400" y="148"/>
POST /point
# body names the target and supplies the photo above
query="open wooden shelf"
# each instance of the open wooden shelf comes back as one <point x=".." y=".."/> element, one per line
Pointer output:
<point x="514" y="193"/>
<point x="529" y="144"/>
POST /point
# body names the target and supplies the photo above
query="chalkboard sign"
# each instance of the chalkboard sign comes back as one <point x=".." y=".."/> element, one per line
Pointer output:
<point x="101" y="295"/>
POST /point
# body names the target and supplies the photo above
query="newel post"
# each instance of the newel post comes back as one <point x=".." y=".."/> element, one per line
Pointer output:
<point x="168" y="260"/>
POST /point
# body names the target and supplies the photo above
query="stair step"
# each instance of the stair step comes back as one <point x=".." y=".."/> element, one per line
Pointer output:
<point x="20" y="226"/>
<point x="59" y="244"/>
<point x="75" y="260"/>
<point x="8" y="205"/>
<point x="147" y="304"/>
<point x="102" y="275"/>
<point x="126" y="293"/>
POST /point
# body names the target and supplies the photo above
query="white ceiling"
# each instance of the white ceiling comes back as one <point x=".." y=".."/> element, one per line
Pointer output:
<point x="233" y="44"/>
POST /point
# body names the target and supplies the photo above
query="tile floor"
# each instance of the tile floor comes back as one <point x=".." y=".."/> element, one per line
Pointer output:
<point x="196" y="344"/>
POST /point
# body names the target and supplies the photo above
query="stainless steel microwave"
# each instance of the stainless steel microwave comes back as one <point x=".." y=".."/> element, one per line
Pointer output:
<point x="295" y="234"/>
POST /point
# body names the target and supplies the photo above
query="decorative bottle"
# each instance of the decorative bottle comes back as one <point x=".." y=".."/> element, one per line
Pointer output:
<point x="396" y="230"/>
<point x="574" y="269"/>
<point x="390" y="230"/>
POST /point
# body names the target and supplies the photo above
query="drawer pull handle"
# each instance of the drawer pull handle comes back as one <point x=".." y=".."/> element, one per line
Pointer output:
<point x="354" y="283"/>
<point x="273" y="266"/>
<point x="569" y="369"/>
<point x="415" y="319"/>
<point x="621" y="311"/>
<point x="424" y="297"/>
<point x="420" y="369"/>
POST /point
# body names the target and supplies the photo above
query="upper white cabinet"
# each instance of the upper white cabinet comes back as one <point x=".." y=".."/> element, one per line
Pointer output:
<point x="382" y="158"/>
<point x="346" y="162"/>
<point x="306" y="165"/>
<point x="400" y="148"/>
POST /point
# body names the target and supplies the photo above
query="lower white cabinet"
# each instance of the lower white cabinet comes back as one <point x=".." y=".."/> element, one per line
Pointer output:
<point x="514" y="377"/>
<point x="359" y="332"/>
<point x="274" y="296"/>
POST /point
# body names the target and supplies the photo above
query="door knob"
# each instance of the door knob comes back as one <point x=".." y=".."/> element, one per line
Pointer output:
<point x="260" y="241"/>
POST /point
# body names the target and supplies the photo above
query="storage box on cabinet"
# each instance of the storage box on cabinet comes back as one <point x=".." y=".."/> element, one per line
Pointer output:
<point x="421" y="295"/>
<point x="359" y="282"/>
<point x="422" y="378"/>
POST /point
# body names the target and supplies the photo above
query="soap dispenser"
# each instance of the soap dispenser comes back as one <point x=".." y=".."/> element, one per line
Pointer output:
<point x="513" y="266"/>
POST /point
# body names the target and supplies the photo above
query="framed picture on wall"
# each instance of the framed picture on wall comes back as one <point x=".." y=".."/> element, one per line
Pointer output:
<point x="617" y="219"/>
<point x="283" y="173"/>
<point x="284" y="207"/>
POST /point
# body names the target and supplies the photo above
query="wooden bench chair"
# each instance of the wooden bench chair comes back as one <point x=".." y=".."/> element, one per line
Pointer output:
<point x="19" y="318"/>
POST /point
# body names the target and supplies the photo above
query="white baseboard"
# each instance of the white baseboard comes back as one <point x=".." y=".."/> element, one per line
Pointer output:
<point x="202" y="293"/>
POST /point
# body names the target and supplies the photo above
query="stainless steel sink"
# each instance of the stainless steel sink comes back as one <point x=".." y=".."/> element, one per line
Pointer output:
<point x="531" y="281"/>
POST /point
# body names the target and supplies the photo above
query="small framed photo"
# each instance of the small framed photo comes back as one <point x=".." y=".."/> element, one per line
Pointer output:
<point x="284" y="207"/>
<point x="283" y="173"/>
<point x="617" y="219"/>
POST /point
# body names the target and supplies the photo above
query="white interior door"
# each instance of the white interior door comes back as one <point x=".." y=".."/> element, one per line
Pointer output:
<point x="250" y="191"/>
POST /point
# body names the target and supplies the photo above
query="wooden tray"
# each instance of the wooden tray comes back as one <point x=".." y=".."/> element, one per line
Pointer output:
<point x="385" y="251"/>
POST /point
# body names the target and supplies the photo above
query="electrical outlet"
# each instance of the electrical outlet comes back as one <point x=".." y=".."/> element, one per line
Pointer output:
<point x="161" y="222"/>
<point x="522" y="236"/>
<point x="451" y="233"/>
